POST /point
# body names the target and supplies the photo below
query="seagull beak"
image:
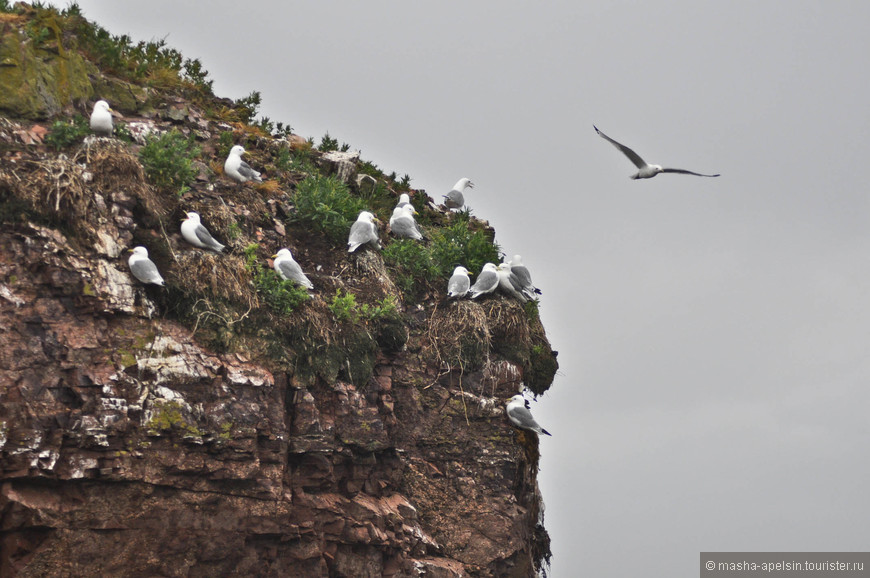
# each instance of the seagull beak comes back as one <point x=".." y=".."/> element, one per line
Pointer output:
<point x="274" y="256"/>
<point x="129" y="250"/>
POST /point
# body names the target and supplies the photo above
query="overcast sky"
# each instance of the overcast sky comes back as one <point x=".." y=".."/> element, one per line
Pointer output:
<point x="713" y="333"/>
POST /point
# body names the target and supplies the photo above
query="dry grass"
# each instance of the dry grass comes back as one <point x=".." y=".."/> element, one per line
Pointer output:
<point x="508" y="321"/>
<point x="210" y="275"/>
<point x="459" y="335"/>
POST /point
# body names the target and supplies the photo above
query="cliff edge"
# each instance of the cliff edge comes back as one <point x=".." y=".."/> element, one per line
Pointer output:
<point x="230" y="423"/>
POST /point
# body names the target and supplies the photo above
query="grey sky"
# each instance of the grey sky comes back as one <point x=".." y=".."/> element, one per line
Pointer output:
<point x="713" y="333"/>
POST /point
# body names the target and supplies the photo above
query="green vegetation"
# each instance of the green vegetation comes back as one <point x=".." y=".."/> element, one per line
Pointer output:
<point x="67" y="133"/>
<point x="168" y="415"/>
<point x="283" y="297"/>
<point x="168" y="161"/>
<point x="327" y="205"/>
<point x="327" y="144"/>
<point x="345" y="308"/>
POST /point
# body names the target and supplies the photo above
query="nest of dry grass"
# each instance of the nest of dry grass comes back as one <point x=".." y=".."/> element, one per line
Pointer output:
<point x="459" y="335"/>
<point x="214" y="276"/>
<point x="508" y="322"/>
<point x="116" y="171"/>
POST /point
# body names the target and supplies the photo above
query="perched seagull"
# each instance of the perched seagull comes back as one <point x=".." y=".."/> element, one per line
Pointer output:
<point x="404" y="199"/>
<point x="509" y="284"/>
<point x="486" y="282"/>
<point x="645" y="171"/>
<point x="101" y="118"/>
<point x="524" y="277"/>
<point x="363" y="231"/>
<point x="144" y="268"/>
<point x="455" y="199"/>
<point x="459" y="283"/>
<point x="197" y="235"/>
<point x="239" y="170"/>
<point x="519" y="414"/>
<point x="402" y="223"/>
<point x="289" y="270"/>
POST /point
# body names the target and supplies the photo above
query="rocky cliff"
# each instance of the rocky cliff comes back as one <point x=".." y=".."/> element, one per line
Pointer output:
<point x="228" y="424"/>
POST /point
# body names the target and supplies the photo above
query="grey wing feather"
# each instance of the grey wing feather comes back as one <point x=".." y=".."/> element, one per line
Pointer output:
<point x="454" y="199"/>
<point x="685" y="172"/>
<point x="246" y="171"/>
<point x="206" y="239"/>
<point x="524" y="417"/>
<point x="486" y="282"/>
<point x="633" y="156"/>
<point x="360" y="233"/>
<point x="146" y="271"/>
<point x="293" y="272"/>
<point x="458" y="285"/>
<point x="525" y="278"/>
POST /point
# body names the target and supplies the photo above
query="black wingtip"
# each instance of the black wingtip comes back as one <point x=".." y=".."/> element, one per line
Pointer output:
<point x="543" y="431"/>
<point x="596" y="129"/>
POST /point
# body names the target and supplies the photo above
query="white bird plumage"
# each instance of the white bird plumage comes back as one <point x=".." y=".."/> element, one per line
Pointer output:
<point x="486" y="282"/>
<point x="101" y="119"/>
<point x="459" y="283"/>
<point x="645" y="170"/>
<point x="197" y="235"/>
<point x="239" y="170"/>
<point x="363" y="231"/>
<point x="144" y="268"/>
<point x="518" y="412"/>
<point x="522" y="274"/>
<point x="402" y="223"/>
<point x="509" y="284"/>
<point x="289" y="270"/>
<point x="455" y="199"/>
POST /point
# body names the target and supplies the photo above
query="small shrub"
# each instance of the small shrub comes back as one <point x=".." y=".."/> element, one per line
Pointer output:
<point x="384" y="310"/>
<point x="327" y="144"/>
<point x="197" y="75"/>
<point x="66" y="133"/>
<point x="344" y="307"/>
<point x="248" y="106"/>
<point x="327" y="204"/>
<point x="167" y="160"/>
<point x="225" y="142"/>
<point x="458" y="244"/>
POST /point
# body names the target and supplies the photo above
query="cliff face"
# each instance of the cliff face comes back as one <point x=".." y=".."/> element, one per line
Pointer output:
<point x="201" y="429"/>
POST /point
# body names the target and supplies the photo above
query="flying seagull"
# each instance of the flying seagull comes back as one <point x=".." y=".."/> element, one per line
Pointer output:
<point x="455" y="199"/>
<point x="239" y="170"/>
<point x="144" y="268"/>
<point x="459" y="283"/>
<point x="101" y="118"/>
<point x="519" y="414"/>
<point x="289" y="270"/>
<point x="645" y="171"/>
<point x="197" y="235"/>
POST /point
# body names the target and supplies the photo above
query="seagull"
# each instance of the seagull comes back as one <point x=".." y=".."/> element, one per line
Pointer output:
<point x="197" y="235"/>
<point x="402" y="223"/>
<point x="455" y="199"/>
<point x="289" y="270"/>
<point x="645" y="171"/>
<point x="144" y="268"/>
<point x="459" y="283"/>
<point x="524" y="277"/>
<point x="404" y="199"/>
<point x="363" y="231"/>
<point x="519" y="414"/>
<point x="101" y="118"/>
<point x="239" y="170"/>
<point x="509" y="283"/>
<point x="486" y="282"/>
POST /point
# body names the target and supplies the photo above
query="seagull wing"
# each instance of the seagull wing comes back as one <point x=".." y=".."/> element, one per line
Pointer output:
<point x="206" y="239"/>
<point x="523" y="418"/>
<point x="458" y="285"/>
<point x="246" y="171"/>
<point x="685" y="172"/>
<point x="146" y="271"/>
<point x="293" y="272"/>
<point x="633" y="156"/>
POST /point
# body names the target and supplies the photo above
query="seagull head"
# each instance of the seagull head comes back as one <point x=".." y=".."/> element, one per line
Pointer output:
<point x="140" y="251"/>
<point x="193" y="216"/>
<point x="284" y="253"/>
<point x="237" y="150"/>
<point x="461" y="271"/>
<point x="102" y="105"/>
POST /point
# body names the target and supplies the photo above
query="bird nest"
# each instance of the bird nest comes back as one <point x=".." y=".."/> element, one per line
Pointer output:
<point x="459" y="335"/>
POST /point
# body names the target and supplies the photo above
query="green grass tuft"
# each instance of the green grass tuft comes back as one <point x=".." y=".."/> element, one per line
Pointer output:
<point x="327" y="205"/>
<point x="168" y="161"/>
